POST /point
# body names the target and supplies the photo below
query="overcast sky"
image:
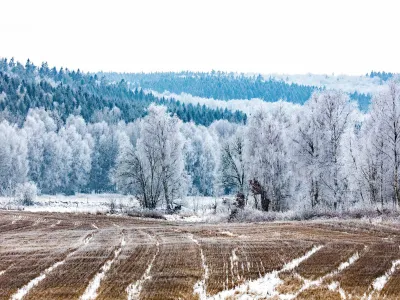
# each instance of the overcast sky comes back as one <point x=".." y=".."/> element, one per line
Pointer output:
<point x="281" y="36"/>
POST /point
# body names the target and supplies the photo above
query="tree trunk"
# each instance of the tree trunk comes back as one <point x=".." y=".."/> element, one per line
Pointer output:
<point x="265" y="201"/>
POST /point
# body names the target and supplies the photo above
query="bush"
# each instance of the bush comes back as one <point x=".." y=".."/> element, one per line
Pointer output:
<point x="26" y="193"/>
<point x="146" y="214"/>
<point x="112" y="204"/>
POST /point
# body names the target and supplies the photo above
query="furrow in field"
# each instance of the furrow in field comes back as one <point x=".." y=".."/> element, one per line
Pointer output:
<point x="231" y="263"/>
<point x="200" y="287"/>
<point x="91" y="290"/>
<point x="360" y="276"/>
<point x="130" y="267"/>
<point x="311" y="287"/>
<point x="176" y="270"/>
<point x="265" y="286"/>
<point x="70" y="280"/>
<point x="26" y="256"/>
<point x="135" y="288"/>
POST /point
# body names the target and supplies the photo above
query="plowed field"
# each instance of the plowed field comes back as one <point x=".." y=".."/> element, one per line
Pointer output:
<point x="81" y="256"/>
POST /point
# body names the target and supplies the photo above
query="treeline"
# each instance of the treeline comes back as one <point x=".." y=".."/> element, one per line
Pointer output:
<point x="71" y="92"/>
<point x="218" y="85"/>
<point x="227" y="86"/>
<point x="75" y="156"/>
<point x="385" y="76"/>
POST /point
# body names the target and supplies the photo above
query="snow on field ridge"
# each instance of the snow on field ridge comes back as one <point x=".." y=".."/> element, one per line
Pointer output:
<point x="334" y="286"/>
<point x="380" y="282"/>
<point x="135" y="288"/>
<point x="31" y="284"/>
<point x="91" y="290"/>
<point x="200" y="287"/>
<point x="22" y="292"/>
<point x="265" y="286"/>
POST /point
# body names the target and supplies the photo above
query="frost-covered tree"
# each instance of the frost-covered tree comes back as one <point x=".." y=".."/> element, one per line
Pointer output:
<point x="373" y="168"/>
<point x="201" y="159"/>
<point x="233" y="164"/>
<point x="268" y="158"/>
<point x="154" y="168"/>
<point x="137" y="173"/>
<point x="37" y="125"/>
<point x="385" y="117"/>
<point x="321" y="135"/>
<point x="13" y="158"/>
<point x="79" y="141"/>
<point x="104" y="154"/>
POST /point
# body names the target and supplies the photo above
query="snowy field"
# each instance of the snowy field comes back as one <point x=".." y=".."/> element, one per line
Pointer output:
<point x="193" y="209"/>
<point x="87" y="203"/>
<point x="86" y="256"/>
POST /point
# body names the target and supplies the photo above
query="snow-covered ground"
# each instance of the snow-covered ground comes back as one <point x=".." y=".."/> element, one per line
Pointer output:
<point x="346" y="83"/>
<point x="88" y="203"/>
<point x="244" y="105"/>
<point x="194" y="208"/>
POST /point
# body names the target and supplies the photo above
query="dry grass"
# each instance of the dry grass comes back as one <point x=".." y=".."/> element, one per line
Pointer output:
<point x="392" y="288"/>
<point x="291" y="282"/>
<point x="176" y="270"/>
<point x="318" y="294"/>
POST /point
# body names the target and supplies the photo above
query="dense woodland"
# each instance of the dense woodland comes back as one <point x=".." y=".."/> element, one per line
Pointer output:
<point x="66" y="92"/>
<point x="62" y="134"/>
<point x="227" y="86"/>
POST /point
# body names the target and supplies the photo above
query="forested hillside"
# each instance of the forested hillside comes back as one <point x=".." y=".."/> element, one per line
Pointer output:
<point x="67" y="132"/>
<point x="68" y="92"/>
<point x="218" y="85"/>
<point x="227" y="86"/>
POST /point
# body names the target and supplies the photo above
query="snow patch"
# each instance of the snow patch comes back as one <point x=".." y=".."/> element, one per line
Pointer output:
<point x="294" y="263"/>
<point x="228" y="233"/>
<point x="335" y="286"/>
<point x="87" y="239"/>
<point x="200" y="287"/>
<point x="351" y="261"/>
<point x="380" y="282"/>
<point x="55" y="224"/>
<point x="188" y="219"/>
<point x="16" y="218"/>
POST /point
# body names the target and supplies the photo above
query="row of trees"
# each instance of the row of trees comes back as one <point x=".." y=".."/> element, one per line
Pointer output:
<point x="228" y="86"/>
<point x="326" y="154"/>
<point x="218" y="85"/>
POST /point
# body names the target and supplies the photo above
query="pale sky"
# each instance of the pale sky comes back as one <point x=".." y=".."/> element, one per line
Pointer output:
<point x="281" y="36"/>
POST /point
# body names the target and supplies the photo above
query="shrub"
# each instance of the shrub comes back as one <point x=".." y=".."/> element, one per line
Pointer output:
<point x="26" y="193"/>
<point x="113" y="206"/>
<point x="146" y="214"/>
